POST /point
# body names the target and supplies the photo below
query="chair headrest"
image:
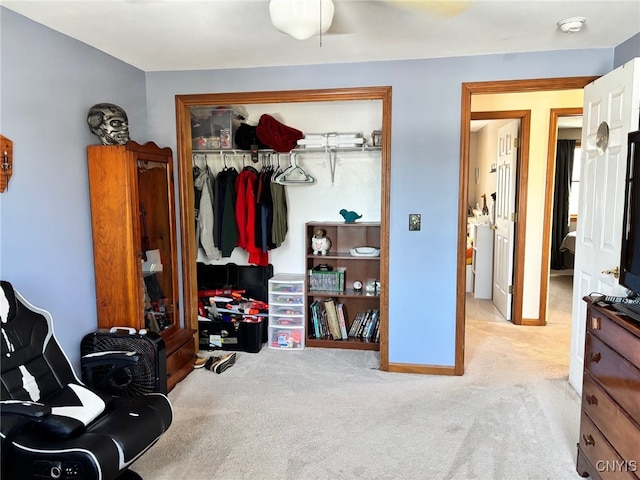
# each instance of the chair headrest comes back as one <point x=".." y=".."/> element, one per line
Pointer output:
<point x="8" y="305"/>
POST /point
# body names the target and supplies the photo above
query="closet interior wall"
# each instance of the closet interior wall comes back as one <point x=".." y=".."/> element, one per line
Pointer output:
<point x="356" y="174"/>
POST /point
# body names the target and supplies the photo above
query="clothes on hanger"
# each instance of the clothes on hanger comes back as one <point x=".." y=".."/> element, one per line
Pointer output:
<point x="205" y="218"/>
<point x="279" y="224"/>
<point x="228" y="226"/>
<point x="246" y="213"/>
<point x="246" y="209"/>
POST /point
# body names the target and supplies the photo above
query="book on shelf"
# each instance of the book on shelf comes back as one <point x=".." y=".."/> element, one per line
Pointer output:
<point x="366" y="325"/>
<point x="314" y="318"/>
<point x="342" y="319"/>
<point x="376" y="333"/>
<point x="363" y="324"/>
<point x="332" y="281"/>
<point x="356" y="324"/>
<point x="332" y="319"/>
<point x="319" y="313"/>
<point x="324" y="326"/>
<point x="372" y="325"/>
<point x="328" y="321"/>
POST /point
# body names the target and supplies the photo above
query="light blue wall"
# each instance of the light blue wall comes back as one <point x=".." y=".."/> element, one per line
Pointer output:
<point x="49" y="81"/>
<point x="425" y="165"/>
<point x="626" y="51"/>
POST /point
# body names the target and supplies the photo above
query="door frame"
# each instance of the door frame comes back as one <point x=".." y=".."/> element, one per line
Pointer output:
<point x="522" y="173"/>
<point x="491" y="87"/>
<point x="545" y="268"/>
<point x="183" y="104"/>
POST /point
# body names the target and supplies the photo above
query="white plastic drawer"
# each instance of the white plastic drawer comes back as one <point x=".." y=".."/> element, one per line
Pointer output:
<point x="287" y="320"/>
<point x="281" y="310"/>
<point x="286" y="299"/>
<point x="286" y="338"/>
<point x="286" y="287"/>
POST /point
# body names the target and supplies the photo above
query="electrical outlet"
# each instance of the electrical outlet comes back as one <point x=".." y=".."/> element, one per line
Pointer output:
<point x="414" y="221"/>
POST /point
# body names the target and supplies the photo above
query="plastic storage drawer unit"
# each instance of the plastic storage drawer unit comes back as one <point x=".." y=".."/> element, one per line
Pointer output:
<point x="286" y="312"/>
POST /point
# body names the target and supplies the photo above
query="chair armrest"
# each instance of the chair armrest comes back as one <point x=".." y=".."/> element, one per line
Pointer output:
<point x="33" y="410"/>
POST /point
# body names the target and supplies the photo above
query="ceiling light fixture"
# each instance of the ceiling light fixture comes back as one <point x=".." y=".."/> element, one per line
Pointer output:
<point x="301" y="19"/>
<point x="571" y="25"/>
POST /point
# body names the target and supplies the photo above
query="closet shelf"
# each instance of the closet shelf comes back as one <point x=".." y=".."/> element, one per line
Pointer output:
<point x="229" y="151"/>
<point x="330" y="152"/>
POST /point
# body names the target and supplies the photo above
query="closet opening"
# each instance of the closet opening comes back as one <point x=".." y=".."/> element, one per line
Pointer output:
<point x="378" y="98"/>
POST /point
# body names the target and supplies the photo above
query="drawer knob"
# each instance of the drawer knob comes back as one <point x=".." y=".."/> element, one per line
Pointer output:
<point x="592" y="400"/>
<point x="595" y="323"/>
<point x="595" y="357"/>
<point x="588" y="440"/>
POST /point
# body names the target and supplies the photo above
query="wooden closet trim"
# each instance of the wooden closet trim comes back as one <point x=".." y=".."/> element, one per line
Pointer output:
<point x="186" y="194"/>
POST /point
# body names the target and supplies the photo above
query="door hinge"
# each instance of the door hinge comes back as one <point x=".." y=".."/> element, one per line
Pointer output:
<point x="516" y="142"/>
<point x="510" y="289"/>
<point x="513" y="217"/>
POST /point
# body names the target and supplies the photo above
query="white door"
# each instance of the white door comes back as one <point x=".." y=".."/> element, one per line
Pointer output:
<point x="614" y="99"/>
<point x="505" y="217"/>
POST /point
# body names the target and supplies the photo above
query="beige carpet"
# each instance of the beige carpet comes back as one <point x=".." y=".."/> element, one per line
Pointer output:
<point x="331" y="414"/>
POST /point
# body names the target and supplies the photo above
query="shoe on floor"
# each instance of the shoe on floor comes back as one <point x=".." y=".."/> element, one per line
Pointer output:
<point x="200" y="362"/>
<point x="208" y="364"/>
<point x="221" y="363"/>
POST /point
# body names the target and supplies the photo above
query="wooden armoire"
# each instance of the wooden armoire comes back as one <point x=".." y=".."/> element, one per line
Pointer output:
<point x="135" y="247"/>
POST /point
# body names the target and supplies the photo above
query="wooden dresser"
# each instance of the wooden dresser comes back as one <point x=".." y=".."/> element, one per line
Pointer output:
<point x="609" y="446"/>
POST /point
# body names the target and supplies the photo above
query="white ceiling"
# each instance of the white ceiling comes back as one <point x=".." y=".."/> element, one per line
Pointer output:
<point x="159" y="35"/>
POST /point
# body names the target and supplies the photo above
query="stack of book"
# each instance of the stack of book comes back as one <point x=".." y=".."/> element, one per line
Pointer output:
<point x="328" y="321"/>
<point x="366" y="325"/>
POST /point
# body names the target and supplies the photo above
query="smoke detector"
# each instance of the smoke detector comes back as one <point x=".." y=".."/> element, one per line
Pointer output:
<point x="571" y="25"/>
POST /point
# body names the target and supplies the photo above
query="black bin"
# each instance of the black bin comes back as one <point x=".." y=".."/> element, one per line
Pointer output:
<point x="251" y="334"/>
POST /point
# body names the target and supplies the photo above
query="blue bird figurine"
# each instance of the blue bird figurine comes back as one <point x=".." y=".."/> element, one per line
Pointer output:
<point x="349" y="217"/>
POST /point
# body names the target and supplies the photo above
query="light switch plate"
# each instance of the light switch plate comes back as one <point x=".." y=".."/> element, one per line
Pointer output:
<point x="414" y="221"/>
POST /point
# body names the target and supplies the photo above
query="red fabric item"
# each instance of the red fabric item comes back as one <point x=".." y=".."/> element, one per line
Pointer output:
<point x="277" y="135"/>
<point x="246" y="215"/>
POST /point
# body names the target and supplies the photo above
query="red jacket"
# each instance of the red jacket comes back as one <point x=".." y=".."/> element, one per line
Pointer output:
<point x="246" y="215"/>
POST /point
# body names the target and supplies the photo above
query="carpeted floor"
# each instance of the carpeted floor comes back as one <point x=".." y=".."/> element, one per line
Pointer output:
<point x="331" y="414"/>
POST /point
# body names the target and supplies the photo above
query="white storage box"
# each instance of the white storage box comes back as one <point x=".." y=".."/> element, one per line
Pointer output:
<point x="331" y="140"/>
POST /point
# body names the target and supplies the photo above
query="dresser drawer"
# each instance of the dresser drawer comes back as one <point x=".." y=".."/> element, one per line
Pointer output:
<point x="180" y="363"/>
<point x="622" y="433"/>
<point x="601" y="455"/>
<point x="624" y="341"/>
<point x="619" y="378"/>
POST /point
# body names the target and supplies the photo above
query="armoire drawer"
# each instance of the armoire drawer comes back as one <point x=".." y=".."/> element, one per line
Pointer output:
<point x="601" y="455"/>
<point x="623" y="433"/>
<point x="618" y="338"/>
<point x="618" y="377"/>
<point x="180" y="363"/>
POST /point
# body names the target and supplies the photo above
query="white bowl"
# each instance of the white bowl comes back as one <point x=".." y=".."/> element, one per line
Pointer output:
<point x="365" y="252"/>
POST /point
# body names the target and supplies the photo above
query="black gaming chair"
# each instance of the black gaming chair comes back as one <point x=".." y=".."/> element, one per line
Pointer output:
<point x="52" y="426"/>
